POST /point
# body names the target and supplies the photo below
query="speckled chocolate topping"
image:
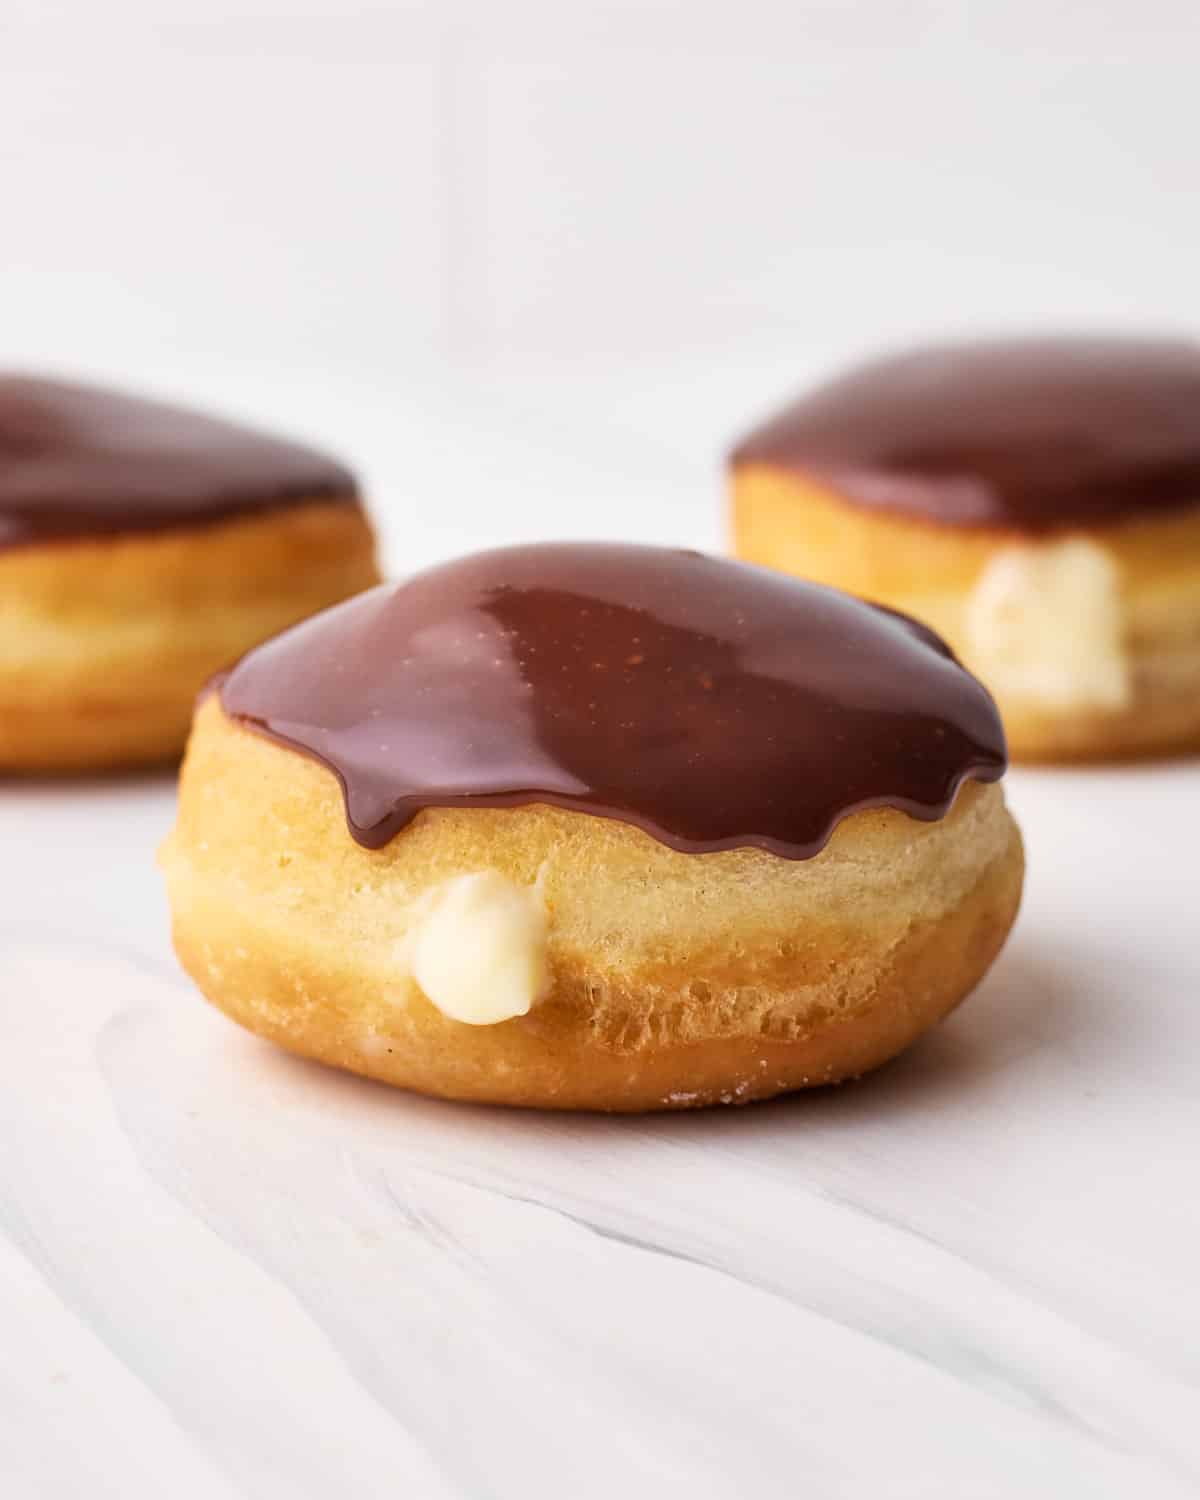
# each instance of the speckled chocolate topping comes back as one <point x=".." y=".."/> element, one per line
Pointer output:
<point x="711" y="703"/>
<point x="77" y="461"/>
<point x="1030" y="435"/>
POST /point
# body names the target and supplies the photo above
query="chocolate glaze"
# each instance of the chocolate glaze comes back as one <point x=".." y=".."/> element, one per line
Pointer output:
<point x="1031" y="435"/>
<point x="711" y="703"/>
<point x="77" y="461"/>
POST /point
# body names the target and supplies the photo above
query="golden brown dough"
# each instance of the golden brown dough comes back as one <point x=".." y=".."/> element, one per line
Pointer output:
<point x="787" y="520"/>
<point x="675" y="979"/>
<point x="106" y="641"/>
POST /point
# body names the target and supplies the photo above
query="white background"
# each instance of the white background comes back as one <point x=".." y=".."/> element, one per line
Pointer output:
<point x="531" y="265"/>
<point x="560" y="251"/>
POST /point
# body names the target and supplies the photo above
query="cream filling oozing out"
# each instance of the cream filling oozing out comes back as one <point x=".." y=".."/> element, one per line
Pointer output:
<point x="478" y="948"/>
<point x="1045" y="624"/>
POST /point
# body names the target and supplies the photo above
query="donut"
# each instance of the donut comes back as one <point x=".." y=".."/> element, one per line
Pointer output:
<point x="142" y="547"/>
<point x="1037" y="501"/>
<point x="594" y="826"/>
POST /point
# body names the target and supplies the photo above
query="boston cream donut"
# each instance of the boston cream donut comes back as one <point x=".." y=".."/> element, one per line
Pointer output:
<point x="141" y="548"/>
<point x="595" y="827"/>
<point x="1036" y="502"/>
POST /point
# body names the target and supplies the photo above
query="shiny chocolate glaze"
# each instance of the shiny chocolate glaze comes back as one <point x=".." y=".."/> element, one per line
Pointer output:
<point x="711" y="703"/>
<point x="1030" y="435"/>
<point x="77" y="461"/>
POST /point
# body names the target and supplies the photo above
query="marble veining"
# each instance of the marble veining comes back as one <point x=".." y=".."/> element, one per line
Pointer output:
<point x="226" y="1273"/>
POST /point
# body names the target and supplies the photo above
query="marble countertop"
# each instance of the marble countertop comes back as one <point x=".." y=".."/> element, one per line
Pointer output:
<point x="226" y="1273"/>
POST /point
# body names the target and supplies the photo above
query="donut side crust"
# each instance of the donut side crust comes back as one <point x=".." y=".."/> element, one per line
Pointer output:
<point x="105" y="643"/>
<point x="677" y="980"/>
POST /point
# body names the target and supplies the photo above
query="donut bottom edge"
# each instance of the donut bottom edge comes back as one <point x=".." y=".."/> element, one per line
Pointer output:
<point x="934" y="970"/>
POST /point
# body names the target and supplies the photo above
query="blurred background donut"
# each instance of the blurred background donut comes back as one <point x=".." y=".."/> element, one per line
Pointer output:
<point x="1037" y="501"/>
<point x="142" y="546"/>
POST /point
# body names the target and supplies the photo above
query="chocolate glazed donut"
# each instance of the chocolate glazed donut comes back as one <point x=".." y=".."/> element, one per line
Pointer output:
<point x="595" y="826"/>
<point x="141" y="547"/>
<point x="1035" y="501"/>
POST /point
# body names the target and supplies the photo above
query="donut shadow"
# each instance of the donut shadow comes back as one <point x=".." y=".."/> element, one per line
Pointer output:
<point x="87" y="783"/>
<point x="1032" y="1004"/>
<point x="1029" y="1005"/>
<point x="1155" y="758"/>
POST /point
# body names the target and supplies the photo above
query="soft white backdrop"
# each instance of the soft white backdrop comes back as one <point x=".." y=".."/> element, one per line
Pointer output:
<point x="517" y="253"/>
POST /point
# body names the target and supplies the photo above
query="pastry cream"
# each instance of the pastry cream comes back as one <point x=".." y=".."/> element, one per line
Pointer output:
<point x="1044" y="624"/>
<point x="479" y="950"/>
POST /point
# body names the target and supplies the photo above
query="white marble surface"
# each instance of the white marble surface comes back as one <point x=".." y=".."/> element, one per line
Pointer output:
<point x="227" y="1273"/>
<point x="224" y="1273"/>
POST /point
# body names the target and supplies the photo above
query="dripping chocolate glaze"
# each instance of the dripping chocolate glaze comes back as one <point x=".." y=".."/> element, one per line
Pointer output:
<point x="77" y="461"/>
<point x="711" y="703"/>
<point x="1030" y="435"/>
